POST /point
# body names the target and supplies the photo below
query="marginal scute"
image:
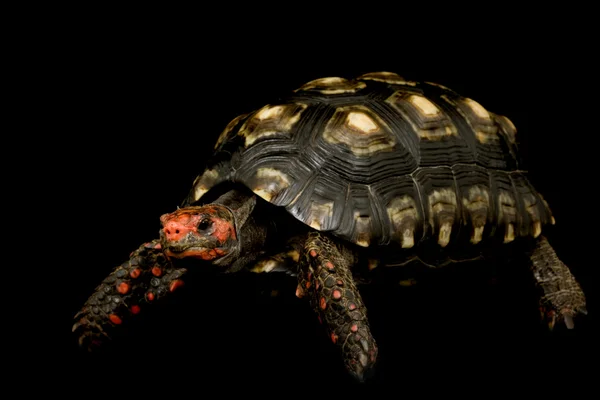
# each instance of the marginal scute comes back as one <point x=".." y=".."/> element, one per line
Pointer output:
<point x="362" y="230"/>
<point x="507" y="214"/>
<point x="547" y="208"/>
<point x="271" y="121"/>
<point x="332" y="85"/>
<point x="205" y="182"/>
<point x="386" y="77"/>
<point x="403" y="216"/>
<point x="360" y="129"/>
<point x="442" y="209"/>
<point x="426" y="118"/>
<point x="320" y="214"/>
<point x="477" y="204"/>
<point x="270" y="182"/>
<point x="531" y="207"/>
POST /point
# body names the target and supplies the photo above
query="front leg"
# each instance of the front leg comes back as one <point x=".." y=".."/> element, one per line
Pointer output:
<point x="325" y="277"/>
<point x="562" y="298"/>
<point x="140" y="281"/>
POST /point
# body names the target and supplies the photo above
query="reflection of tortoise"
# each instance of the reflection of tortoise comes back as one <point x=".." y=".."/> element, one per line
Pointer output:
<point x="374" y="171"/>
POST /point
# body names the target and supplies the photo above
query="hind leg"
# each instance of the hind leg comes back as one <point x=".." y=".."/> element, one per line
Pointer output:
<point x="562" y="298"/>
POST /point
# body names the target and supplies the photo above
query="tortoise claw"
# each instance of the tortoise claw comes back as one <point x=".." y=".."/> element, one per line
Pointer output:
<point x="569" y="321"/>
<point x="362" y="369"/>
<point x="555" y="318"/>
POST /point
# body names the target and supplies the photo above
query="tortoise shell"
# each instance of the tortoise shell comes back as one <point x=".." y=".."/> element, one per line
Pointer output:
<point x="379" y="160"/>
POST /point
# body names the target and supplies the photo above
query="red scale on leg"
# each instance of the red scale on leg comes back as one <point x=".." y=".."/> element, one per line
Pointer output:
<point x="177" y="283"/>
<point x="156" y="271"/>
<point x="329" y="265"/>
<point x="123" y="287"/>
<point x="299" y="292"/>
<point x="334" y="337"/>
<point x="323" y="303"/>
<point x="135" y="309"/>
<point x="337" y="294"/>
<point x="135" y="273"/>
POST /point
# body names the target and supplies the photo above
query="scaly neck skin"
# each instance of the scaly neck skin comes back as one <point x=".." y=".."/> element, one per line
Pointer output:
<point x="251" y="232"/>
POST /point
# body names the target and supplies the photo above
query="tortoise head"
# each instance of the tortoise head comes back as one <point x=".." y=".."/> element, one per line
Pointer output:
<point x="204" y="232"/>
<point x="215" y="232"/>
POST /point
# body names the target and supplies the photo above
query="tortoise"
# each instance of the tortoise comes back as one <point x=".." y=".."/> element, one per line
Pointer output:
<point x="334" y="182"/>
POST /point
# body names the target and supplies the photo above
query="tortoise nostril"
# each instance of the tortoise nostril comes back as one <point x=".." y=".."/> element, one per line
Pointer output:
<point x="168" y="232"/>
<point x="177" y="231"/>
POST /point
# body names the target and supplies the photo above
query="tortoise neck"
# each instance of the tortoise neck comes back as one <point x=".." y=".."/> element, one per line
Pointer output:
<point x="251" y="232"/>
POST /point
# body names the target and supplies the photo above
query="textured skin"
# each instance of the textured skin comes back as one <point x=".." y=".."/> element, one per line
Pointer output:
<point x="562" y="297"/>
<point x="140" y="281"/>
<point x="325" y="277"/>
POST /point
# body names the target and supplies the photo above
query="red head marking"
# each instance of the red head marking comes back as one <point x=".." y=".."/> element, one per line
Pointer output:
<point x="223" y="229"/>
<point x="207" y="224"/>
<point x="179" y="224"/>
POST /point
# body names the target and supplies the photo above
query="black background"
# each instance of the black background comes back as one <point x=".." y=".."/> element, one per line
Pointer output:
<point x="132" y="108"/>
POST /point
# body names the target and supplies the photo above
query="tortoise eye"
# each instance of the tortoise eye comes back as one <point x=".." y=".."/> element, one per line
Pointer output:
<point x="204" y="224"/>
